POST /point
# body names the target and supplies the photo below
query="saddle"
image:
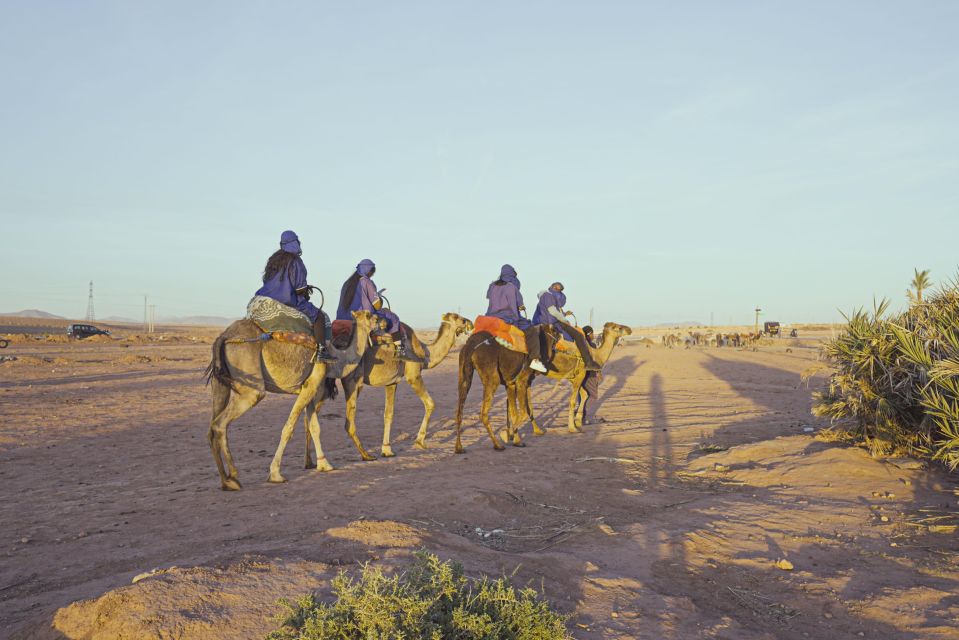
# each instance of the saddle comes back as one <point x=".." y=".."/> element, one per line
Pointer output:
<point x="503" y="332"/>
<point x="343" y="334"/>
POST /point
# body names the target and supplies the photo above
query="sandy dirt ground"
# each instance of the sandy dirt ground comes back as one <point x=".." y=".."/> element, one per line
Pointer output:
<point x="664" y="521"/>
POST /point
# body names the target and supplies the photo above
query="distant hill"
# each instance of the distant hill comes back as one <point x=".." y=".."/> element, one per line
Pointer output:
<point x="685" y="323"/>
<point x="33" y="313"/>
<point x="207" y="321"/>
<point x="119" y="319"/>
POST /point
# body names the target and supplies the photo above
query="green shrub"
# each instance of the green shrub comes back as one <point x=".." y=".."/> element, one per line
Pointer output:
<point x="896" y="379"/>
<point x="432" y="600"/>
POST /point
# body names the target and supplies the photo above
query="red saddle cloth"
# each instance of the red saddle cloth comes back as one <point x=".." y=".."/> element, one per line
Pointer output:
<point x="342" y="332"/>
<point x="506" y="334"/>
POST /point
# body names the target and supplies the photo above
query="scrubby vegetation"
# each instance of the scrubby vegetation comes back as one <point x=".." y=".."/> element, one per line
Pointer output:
<point x="896" y="383"/>
<point x="431" y="599"/>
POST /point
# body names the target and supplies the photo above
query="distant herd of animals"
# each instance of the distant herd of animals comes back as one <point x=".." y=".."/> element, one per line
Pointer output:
<point x="248" y="363"/>
<point x="709" y="339"/>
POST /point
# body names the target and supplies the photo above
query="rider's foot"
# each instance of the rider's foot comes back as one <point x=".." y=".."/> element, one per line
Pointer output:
<point x="536" y="365"/>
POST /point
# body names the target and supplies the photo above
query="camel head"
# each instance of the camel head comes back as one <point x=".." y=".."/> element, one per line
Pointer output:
<point x="615" y="331"/>
<point x="458" y="323"/>
<point x="365" y="320"/>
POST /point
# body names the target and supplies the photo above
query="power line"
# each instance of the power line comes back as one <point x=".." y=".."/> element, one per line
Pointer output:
<point x="91" y="317"/>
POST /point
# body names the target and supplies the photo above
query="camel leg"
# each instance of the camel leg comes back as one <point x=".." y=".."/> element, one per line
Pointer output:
<point x="577" y="384"/>
<point x="386" y="450"/>
<point x="521" y="411"/>
<point x="351" y="388"/>
<point x="237" y="403"/>
<point x="580" y="415"/>
<point x="488" y="390"/>
<point x="465" y="382"/>
<point x="322" y="464"/>
<point x="419" y="388"/>
<point x="307" y="416"/>
<point x="513" y="416"/>
<point x="304" y="398"/>
<point x="527" y="405"/>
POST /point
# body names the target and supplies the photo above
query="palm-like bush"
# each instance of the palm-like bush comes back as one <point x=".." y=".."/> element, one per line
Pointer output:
<point x="432" y="600"/>
<point x="896" y="382"/>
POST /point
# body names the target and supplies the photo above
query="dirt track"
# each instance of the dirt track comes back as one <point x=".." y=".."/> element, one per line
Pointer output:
<point x="631" y="527"/>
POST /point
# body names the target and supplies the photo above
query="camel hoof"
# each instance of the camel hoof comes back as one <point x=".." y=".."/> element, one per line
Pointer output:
<point x="309" y="465"/>
<point x="277" y="479"/>
<point x="460" y="449"/>
<point x="420" y="444"/>
<point x="324" y="466"/>
<point x="538" y="432"/>
<point x="367" y="457"/>
<point x="499" y="447"/>
<point x="387" y="452"/>
<point x="575" y="430"/>
<point x="230" y="484"/>
<point x="519" y="444"/>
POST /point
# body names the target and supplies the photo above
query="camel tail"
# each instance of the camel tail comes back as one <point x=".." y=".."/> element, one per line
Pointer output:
<point x="465" y="380"/>
<point x="217" y="369"/>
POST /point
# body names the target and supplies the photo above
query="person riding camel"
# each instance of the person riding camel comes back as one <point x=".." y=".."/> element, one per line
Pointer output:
<point x="550" y="311"/>
<point x="359" y="293"/>
<point x="506" y="303"/>
<point x="284" y="280"/>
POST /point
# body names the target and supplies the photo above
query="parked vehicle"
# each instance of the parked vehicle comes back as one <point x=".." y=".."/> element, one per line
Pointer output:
<point x="771" y="329"/>
<point x="80" y="331"/>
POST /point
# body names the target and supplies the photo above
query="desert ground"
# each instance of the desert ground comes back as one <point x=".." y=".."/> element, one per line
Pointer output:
<point x="705" y="504"/>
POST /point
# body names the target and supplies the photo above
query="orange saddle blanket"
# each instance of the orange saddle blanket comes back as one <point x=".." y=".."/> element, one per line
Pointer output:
<point x="506" y="334"/>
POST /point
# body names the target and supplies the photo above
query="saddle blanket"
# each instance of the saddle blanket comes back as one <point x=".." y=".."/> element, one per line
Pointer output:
<point x="272" y="316"/>
<point x="503" y="332"/>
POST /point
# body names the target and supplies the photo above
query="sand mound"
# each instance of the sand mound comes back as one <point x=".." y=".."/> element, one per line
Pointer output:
<point x="98" y="339"/>
<point x="236" y="601"/>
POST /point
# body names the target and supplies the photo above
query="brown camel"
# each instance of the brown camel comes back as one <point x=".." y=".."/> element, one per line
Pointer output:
<point x="244" y="369"/>
<point x="381" y="368"/>
<point x="498" y="365"/>
<point x="568" y="365"/>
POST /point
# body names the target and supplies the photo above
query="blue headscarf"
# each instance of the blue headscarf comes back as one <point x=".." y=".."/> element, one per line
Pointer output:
<point x="508" y="274"/>
<point x="290" y="243"/>
<point x="365" y="267"/>
<point x="559" y="295"/>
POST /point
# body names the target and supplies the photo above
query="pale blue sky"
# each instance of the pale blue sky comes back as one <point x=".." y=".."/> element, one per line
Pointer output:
<point x="664" y="160"/>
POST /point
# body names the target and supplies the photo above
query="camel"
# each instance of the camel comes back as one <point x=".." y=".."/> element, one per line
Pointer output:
<point x="568" y="365"/>
<point x="381" y="368"/>
<point x="245" y="368"/>
<point x="498" y="365"/>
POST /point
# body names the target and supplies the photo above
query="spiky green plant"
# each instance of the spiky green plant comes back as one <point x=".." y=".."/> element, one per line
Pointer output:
<point x="432" y="600"/>
<point x="896" y="380"/>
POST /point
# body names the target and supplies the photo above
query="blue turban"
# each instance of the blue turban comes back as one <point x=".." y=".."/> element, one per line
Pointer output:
<point x="290" y="243"/>
<point x="365" y="267"/>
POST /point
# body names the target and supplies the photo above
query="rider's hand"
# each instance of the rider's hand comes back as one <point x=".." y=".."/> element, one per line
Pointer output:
<point x="568" y="313"/>
<point x="522" y="307"/>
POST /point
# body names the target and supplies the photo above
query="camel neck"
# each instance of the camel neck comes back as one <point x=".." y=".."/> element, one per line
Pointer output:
<point x="437" y="350"/>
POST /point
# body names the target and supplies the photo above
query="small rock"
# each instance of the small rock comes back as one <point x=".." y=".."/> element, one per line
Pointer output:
<point x="884" y="518"/>
<point x="827" y="615"/>
<point x="875" y="494"/>
<point x="24" y="540"/>
<point x="808" y="429"/>
<point x="720" y="467"/>
<point x="614" y="615"/>
<point x="784" y="564"/>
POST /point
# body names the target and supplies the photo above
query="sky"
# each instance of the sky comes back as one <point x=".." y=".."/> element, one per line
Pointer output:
<point x="665" y="161"/>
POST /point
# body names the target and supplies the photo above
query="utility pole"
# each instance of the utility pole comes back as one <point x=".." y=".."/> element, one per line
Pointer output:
<point x="757" y="318"/>
<point x="153" y="318"/>
<point x="90" y="315"/>
<point x="146" y="319"/>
